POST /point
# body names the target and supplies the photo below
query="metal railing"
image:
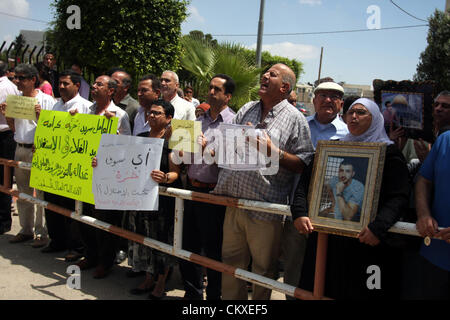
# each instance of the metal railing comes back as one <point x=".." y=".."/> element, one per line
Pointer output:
<point x="176" y="249"/>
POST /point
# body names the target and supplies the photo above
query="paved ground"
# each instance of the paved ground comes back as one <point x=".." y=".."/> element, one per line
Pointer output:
<point x="28" y="274"/>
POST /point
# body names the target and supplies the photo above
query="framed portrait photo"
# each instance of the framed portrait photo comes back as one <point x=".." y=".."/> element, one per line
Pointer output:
<point x="345" y="185"/>
<point x="407" y="104"/>
<point x="403" y="109"/>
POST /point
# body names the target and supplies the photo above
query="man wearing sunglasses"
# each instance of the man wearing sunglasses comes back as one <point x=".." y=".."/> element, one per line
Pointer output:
<point x="31" y="220"/>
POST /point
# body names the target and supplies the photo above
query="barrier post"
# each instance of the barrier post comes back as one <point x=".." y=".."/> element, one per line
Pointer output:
<point x="321" y="265"/>
<point x="178" y="225"/>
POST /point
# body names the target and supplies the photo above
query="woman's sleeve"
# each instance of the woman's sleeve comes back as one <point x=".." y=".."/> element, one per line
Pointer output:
<point x="299" y="207"/>
<point x="394" y="193"/>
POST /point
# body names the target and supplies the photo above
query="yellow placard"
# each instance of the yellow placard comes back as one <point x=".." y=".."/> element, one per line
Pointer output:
<point x="20" y="107"/>
<point x="184" y="135"/>
<point x="64" y="148"/>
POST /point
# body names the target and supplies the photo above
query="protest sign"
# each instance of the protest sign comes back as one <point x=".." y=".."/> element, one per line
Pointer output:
<point x="238" y="149"/>
<point x="122" y="177"/>
<point x="184" y="135"/>
<point x="64" y="148"/>
<point x="20" y="107"/>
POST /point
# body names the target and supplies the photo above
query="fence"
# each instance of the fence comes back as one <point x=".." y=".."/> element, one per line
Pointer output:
<point x="176" y="249"/>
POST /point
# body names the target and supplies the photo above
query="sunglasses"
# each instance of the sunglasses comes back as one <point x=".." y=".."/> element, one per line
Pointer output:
<point x="21" y="78"/>
<point x="155" y="113"/>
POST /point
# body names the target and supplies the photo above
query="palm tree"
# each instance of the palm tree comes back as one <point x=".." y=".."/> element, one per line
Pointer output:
<point x="203" y="60"/>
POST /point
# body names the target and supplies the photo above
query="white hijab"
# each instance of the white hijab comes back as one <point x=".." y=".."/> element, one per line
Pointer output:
<point x="376" y="131"/>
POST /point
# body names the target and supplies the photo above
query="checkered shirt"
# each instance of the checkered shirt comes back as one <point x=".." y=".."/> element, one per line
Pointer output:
<point x="285" y="123"/>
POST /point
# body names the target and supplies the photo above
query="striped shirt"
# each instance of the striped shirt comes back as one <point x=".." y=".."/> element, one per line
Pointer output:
<point x="284" y="124"/>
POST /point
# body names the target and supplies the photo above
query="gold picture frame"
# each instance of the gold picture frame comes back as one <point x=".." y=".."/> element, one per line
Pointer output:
<point x="345" y="186"/>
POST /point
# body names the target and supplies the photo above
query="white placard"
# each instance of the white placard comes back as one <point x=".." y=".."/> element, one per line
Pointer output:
<point x="121" y="180"/>
<point x="238" y="149"/>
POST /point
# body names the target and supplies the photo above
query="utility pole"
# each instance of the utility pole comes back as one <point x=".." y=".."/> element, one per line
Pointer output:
<point x="260" y="33"/>
<point x="447" y="8"/>
<point x="320" y="65"/>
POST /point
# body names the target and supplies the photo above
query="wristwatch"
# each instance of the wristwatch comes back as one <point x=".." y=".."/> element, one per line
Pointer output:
<point x="339" y="194"/>
<point x="281" y="154"/>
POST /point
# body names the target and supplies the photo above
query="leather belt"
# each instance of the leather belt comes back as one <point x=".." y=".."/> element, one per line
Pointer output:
<point x="199" y="184"/>
<point x="25" y="145"/>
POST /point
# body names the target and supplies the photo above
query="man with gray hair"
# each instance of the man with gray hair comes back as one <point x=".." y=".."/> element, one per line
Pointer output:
<point x="100" y="246"/>
<point x="32" y="221"/>
<point x="184" y="110"/>
<point x="122" y="97"/>
<point x="7" y="146"/>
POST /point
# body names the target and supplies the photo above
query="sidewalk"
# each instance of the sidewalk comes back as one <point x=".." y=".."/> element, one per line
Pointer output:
<point x="28" y="274"/>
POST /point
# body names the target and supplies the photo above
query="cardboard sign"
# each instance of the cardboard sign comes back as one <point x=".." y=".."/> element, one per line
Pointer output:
<point x="184" y="135"/>
<point x="64" y="148"/>
<point x="20" y="107"/>
<point x="122" y="177"/>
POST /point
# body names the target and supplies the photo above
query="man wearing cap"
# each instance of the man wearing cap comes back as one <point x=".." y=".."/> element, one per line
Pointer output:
<point x="201" y="109"/>
<point x="325" y="124"/>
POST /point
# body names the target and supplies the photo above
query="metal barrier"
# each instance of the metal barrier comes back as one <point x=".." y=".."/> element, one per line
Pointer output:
<point x="176" y="249"/>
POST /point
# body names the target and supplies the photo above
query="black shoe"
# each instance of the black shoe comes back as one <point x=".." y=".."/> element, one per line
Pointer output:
<point x="153" y="297"/>
<point x="4" y="229"/>
<point x="132" y="274"/>
<point x="192" y="297"/>
<point x="52" y="248"/>
<point x="139" y="291"/>
<point x="120" y="257"/>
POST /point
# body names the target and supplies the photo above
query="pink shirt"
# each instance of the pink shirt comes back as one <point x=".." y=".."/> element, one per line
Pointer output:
<point x="46" y="88"/>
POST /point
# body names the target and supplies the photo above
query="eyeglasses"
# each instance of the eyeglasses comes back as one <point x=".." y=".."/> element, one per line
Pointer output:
<point x="333" y="97"/>
<point x="155" y="113"/>
<point x="442" y="104"/>
<point x="21" y="78"/>
<point x="98" y="84"/>
<point x="359" y="112"/>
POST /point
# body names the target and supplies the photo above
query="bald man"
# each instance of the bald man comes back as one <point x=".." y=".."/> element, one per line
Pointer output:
<point x="252" y="234"/>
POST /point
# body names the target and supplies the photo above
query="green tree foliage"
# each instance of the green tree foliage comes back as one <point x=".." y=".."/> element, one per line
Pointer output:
<point x="139" y="35"/>
<point x="203" y="57"/>
<point x="202" y="60"/>
<point x="435" y="60"/>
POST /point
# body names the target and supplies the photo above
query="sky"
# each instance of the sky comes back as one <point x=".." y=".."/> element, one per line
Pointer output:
<point x="294" y="29"/>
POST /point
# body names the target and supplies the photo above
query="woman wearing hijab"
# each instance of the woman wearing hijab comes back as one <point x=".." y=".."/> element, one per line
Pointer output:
<point x="351" y="261"/>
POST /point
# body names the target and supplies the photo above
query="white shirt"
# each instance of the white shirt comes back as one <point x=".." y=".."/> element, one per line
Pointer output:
<point x="195" y="102"/>
<point x="6" y="88"/>
<point x="123" y="126"/>
<point x="77" y="102"/>
<point x="184" y="110"/>
<point x="25" y="128"/>
<point x="140" y="124"/>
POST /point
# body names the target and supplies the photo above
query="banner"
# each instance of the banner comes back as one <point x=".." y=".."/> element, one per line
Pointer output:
<point x="64" y="148"/>
<point x="20" y="107"/>
<point x="122" y="177"/>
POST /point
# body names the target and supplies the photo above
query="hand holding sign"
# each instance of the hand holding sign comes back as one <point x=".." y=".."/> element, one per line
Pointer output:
<point x="21" y="107"/>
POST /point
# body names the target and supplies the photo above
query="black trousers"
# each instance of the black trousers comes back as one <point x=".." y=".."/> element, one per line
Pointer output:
<point x="7" y="150"/>
<point x="62" y="231"/>
<point x="100" y="245"/>
<point x="202" y="233"/>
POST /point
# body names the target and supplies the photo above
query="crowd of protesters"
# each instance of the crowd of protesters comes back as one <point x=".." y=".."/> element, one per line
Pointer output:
<point x="263" y="243"/>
